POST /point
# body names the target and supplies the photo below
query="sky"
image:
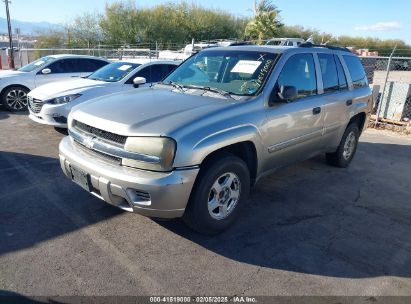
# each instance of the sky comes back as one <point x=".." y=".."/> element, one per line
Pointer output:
<point x="375" y="18"/>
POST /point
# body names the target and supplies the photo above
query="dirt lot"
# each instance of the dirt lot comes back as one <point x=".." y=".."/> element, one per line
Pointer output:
<point x="308" y="230"/>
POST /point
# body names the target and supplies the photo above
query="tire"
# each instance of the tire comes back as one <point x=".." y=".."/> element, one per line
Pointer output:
<point x="15" y="98"/>
<point x="223" y="183"/>
<point x="345" y="152"/>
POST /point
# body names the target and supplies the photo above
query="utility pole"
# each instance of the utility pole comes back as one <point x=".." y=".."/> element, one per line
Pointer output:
<point x="11" y="54"/>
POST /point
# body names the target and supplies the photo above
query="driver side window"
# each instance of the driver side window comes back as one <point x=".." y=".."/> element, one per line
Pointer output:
<point x="299" y="72"/>
<point x="61" y="66"/>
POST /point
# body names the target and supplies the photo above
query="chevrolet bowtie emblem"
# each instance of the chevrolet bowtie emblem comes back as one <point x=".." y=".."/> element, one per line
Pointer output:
<point x="89" y="142"/>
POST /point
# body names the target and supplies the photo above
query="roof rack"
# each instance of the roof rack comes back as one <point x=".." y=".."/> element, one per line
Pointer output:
<point x="330" y="47"/>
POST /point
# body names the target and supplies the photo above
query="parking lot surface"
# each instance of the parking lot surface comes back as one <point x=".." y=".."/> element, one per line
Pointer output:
<point x="309" y="229"/>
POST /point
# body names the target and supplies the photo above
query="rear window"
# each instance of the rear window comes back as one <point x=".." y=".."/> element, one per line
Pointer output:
<point x="342" y="79"/>
<point x="91" y="65"/>
<point x="329" y="72"/>
<point x="357" y="72"/>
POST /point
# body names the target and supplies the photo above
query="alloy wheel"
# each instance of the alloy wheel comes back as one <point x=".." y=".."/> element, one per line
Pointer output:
<point x="16" y="99"/>
<point x="224" y="196"/>
<point x="349" y="145"/>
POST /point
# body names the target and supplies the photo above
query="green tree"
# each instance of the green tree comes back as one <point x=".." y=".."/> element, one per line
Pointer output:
<point x="170" y="23"/>
<point x="266" y="23"/>
<point x="50" y="39"/>
<point x="84" y="31"/>
<point x="123" y="23"/>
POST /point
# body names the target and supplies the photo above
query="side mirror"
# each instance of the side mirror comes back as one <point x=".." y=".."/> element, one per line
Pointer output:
<point x="287" y="93"/>
<point x="139" y="81"/>
<point x="45" y="71"/>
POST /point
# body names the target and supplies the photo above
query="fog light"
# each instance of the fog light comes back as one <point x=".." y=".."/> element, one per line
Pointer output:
<point x="139" y="197"/>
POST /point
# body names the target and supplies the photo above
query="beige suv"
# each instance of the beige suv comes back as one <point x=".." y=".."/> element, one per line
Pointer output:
<point x="193" y="145"/>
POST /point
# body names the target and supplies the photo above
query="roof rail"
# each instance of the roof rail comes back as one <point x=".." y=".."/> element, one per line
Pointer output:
<point x="330" y="47"/>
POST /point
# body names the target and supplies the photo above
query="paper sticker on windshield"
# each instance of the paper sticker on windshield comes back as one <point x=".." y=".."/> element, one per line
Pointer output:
<point x="124" y="67"/>
<point x="39" y="62"/>
<point x="246" y="66"/>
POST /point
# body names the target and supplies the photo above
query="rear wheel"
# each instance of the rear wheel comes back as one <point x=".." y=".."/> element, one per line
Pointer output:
<point x="347" y="148"/>
<point x="218" y="195"/>
<point x="15" y="98"/>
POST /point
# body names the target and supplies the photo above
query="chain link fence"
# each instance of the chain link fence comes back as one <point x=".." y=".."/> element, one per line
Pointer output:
<point x="170" y="51"/>
<point x="390" y="78"/>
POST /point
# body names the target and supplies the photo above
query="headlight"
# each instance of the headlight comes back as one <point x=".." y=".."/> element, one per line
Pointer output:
<point x="63" y="99"/>
<point x="153" y="153"/>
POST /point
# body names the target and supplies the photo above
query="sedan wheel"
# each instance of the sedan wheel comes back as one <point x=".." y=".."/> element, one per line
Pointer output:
<point x="15" y="99"/>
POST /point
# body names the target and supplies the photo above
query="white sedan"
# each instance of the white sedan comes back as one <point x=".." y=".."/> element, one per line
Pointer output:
<point x="50" y="104"/>
<point x="14" y="85"/>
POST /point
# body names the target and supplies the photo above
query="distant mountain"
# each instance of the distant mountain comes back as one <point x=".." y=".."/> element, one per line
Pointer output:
<point x="26" y="28"/>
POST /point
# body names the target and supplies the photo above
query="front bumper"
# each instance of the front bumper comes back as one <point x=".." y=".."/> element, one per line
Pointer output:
<point x="165" y="194"/>
<point x="52" y="115"/>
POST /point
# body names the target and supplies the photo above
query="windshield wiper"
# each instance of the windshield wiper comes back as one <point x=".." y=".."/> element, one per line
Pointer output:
<point x="215" y="90"/>
<point x="174" y="84"/>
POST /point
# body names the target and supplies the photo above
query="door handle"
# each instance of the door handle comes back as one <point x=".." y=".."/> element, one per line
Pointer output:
<point x="317" y="111"/>
<point x="348" y="102"/>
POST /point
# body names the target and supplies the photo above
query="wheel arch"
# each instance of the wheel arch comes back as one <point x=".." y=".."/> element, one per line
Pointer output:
<point x="245" y="150"/>
<point x="359" y="119"/>
<point x="13" y="85"/>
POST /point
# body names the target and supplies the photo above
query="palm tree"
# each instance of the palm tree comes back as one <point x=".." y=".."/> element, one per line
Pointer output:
<point x="266" y="22"/>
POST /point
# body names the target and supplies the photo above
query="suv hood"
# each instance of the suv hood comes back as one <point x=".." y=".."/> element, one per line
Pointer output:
<point x="62" y="88"/>
<point x="147" y="112"/>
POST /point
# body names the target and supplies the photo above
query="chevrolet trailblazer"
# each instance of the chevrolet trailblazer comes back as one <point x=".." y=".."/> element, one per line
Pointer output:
<point x="193" y="145"/>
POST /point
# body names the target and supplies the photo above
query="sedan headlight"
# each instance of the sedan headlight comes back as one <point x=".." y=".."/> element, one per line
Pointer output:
<point x="63" y="99"/>
<point x="150" y="153"/>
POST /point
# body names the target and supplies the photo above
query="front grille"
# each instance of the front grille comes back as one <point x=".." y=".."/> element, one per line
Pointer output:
<point x="119" y="139"/>
<point x="35" y="104"/>
<point x="110" y="158"/>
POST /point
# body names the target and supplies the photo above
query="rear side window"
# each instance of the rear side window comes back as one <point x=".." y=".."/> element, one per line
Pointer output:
<point x="329" y="72"/>
<point x="299" y="71"/>
<point x="342" y="79"/>
<point x="78" y="65"/>
<point x="171" y="68"/>
<point x="155" y="72"/>
<point x="62" y="66"/>
<point x="357" y="72"/>
<point x="91" y="65"/>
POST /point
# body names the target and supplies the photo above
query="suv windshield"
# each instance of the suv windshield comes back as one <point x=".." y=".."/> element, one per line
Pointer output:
<point x="37" y="64"/>
<point x="113" y="72"/>
<point x="235" y="72"/>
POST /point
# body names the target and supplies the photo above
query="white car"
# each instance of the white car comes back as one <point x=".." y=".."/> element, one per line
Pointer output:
<point x="50" y="104"/>
<point x="14" y="85"/>
<point x="294" y="42"/>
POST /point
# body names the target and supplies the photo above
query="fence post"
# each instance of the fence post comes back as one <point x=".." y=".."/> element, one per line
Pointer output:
<point x="385" y="86"/>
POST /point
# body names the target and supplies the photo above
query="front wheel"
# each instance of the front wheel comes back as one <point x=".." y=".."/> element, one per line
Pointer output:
<point x="15" y="98"/>
<point x="347" y="148"/>
<point x="218" y="195"/>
